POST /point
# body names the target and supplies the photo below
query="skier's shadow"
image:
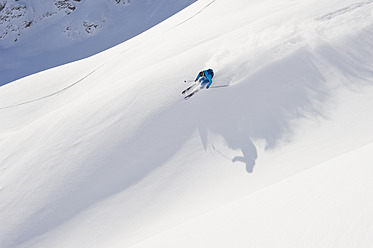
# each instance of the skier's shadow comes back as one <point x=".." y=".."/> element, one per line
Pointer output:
<point x="249" y="156"/>
<point x="249" y="152"/>
<point x="235" y="137"/>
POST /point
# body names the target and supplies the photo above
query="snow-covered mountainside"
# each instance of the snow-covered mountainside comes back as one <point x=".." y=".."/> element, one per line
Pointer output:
<point x="36" y="34"/>
<point x="105" y="152"/>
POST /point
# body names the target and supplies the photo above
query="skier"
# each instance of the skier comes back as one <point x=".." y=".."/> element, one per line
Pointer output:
<point x="204" y="78"/>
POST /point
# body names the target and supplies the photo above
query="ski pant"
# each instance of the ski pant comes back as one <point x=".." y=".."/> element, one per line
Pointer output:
<point x="203" y="82"/>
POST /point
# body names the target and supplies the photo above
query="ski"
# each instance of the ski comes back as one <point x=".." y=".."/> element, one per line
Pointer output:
<point x="184" y="91"/>
<point x="190" y="95"/>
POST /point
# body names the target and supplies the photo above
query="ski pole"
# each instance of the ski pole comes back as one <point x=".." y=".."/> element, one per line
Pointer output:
<point x="188" y="81"/>
<point x="219" y="86"/>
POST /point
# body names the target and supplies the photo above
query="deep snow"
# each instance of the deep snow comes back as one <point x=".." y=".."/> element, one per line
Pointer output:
<point x="104" y="152"/>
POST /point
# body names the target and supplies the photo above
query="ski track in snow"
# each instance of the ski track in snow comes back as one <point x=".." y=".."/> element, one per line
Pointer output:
<point x="199" y="12"/>
<point x="344" y="10"/>
<point x="53" y="94"/>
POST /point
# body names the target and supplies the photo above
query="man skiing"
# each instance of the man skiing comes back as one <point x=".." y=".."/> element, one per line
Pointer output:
<point x="203" y="78"/>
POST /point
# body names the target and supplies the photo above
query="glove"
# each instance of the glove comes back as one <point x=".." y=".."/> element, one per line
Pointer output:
<point x="208" y="86"/>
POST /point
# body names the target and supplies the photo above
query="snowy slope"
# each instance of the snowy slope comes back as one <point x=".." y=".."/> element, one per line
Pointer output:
<point x="36" y="34"/>
<point x="104" y="152"/>
<point x="306" y="207"/>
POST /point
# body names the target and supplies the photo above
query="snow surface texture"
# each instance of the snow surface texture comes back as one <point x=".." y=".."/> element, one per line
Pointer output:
<point x="36" y="34"/>
<point x="104" y="152"/>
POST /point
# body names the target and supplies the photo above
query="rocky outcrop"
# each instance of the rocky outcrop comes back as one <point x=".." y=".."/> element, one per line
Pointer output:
<point x="17" y="16"/>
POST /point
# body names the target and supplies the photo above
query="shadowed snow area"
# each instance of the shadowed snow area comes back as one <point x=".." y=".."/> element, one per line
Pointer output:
<point x="105" y="152"/>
